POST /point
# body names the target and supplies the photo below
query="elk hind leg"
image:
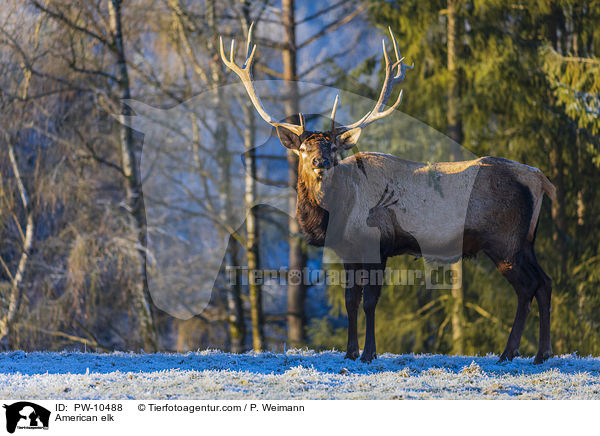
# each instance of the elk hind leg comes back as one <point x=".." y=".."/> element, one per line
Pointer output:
<point x="523" y="276"/>
<point x="543" y="296"/>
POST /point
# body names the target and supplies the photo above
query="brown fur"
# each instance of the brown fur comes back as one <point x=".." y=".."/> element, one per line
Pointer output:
<point x="488" y="204"/>
<point x="312" y="218"/>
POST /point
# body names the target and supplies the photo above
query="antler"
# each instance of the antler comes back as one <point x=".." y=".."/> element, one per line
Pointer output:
<point x="391" y="79"/>
<point x="245" y="74"/>
<point x="386" y="198"/>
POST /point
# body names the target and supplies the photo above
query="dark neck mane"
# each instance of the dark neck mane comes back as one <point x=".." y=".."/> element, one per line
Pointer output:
<point x="311" y="217"/>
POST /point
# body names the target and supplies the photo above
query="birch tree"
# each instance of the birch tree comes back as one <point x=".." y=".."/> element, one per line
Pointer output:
<point x="103" y="27"/>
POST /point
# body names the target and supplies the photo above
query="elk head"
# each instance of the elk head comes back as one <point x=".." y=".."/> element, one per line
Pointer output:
<point x="319" y="151"/>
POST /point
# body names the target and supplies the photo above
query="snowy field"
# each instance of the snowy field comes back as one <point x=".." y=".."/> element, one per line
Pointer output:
<point x="294" y="375"/>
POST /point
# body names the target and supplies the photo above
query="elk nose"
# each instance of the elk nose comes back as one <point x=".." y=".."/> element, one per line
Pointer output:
<point x="320" y="163"/>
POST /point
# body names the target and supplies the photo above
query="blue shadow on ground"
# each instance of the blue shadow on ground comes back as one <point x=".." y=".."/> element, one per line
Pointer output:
<point x="275" y="363"/>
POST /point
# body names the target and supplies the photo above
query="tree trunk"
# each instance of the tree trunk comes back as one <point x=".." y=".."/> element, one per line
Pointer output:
<point x="141" y="295"/>
<point x="454" y="130"/>
<point x="237" y="326"/>
<point x="16" y="292"/>
<point x="458" y="311"/>
<point x="558" y="208"/>
<point x="235" y="323"/>
<point x="296" y="316"/>
<point x="252" y="225"/>
<point x="556" y="35"/>
<point x="252" y="229"/>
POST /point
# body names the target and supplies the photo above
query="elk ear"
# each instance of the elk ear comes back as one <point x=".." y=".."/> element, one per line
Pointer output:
<point x="349" y="138"/>
<point x="288" y="138"/>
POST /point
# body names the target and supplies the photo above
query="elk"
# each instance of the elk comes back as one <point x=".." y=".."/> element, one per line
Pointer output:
<point x="489" y="204"/>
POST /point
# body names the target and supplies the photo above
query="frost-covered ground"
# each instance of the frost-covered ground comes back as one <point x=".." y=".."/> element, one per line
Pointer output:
<point x="294" y="375"/>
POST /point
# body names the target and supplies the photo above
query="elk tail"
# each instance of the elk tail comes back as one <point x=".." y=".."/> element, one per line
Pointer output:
<point x="546" y="188"/>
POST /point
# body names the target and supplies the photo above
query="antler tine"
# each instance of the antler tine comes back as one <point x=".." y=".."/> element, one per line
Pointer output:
<point x="383" y="195"/>
<point x="245" y="74"/>
<point x="396" y="52"/>
<point x="333" y="111"/>
<point x="390" y="80"/>
<point x="389" y="196"/>
<point x="249" y="42"/>
<point x="399" y="60"/>
<point x="388" y="200"/>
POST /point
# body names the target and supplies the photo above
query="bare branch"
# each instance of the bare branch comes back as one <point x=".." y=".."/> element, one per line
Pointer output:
<point x="6" y="269"/>
<point x="58" y="15"/>
<point x="72" y="338"/>
<point x="324" y="11"/>
<point x="331" y="27"/>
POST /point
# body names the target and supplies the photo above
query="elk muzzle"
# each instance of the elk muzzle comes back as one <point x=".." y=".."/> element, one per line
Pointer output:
<point x="320" y="165"/>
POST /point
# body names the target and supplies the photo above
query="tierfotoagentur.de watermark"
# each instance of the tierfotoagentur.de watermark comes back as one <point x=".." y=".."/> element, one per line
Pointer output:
<point x="432" y="277"/>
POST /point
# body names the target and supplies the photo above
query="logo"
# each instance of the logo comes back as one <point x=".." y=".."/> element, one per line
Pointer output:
<point x="26" y="415"/>
<point x="184" y="195"/>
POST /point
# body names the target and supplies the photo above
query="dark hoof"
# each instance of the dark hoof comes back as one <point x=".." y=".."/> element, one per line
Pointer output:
<point x="352" y="355"/>
<point x="541" y="358"/>
<point x="508" y="356"/>
<point x="368" y="357"/>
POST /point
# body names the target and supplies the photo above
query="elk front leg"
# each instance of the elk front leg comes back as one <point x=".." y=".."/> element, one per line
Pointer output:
<point x="353" y="297"/>
<point x="372" y="291"/>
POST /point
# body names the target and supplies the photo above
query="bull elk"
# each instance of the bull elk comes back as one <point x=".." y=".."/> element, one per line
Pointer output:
<point x="369" y="198"/>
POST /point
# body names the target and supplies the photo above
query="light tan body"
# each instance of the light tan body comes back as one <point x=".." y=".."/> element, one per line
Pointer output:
<point x="433" y="201"/>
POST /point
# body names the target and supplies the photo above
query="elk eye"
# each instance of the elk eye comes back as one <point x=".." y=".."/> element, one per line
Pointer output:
<point x="302" y="148"/>
<point x="333" y="148"/>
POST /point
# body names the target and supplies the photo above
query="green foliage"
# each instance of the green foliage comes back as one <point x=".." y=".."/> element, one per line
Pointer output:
<point x="576" y="86"/>
<point x="529" y="91"/>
